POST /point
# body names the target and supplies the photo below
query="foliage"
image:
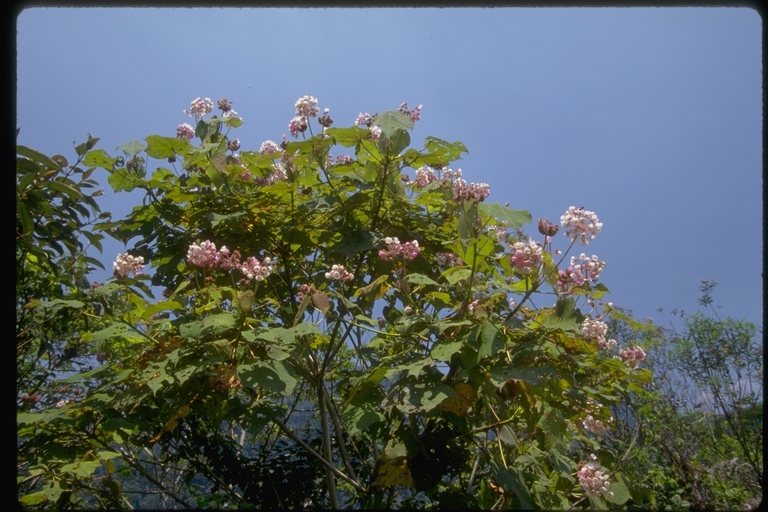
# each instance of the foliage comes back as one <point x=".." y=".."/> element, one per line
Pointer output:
<point x="302" y="355"/>
<point x="693" y="437"/>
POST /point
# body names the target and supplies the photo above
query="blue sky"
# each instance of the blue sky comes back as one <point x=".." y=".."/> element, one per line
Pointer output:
<point x="650" y="117"/>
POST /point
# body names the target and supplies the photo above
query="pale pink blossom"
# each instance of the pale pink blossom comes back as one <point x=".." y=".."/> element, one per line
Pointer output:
<point x="424" y="176"/>
<point x="255" y="269"/>
<point x="199" y="107"/>
<point x="375" y="132"/>
<point x="203" y="255"/>
<point x="298" y="124"/>
<point x="394" y="249"/>
<point x="339" y="273"/>
<point x="632" y="356"/>
<point x="268" y="147"/>
<point x="580" y="224"/>
<point x="526" y="256"/>
<point x="185" y="131"/>
<point x="307" y="106"/>
<point x="476" y="192"/>
<point x="593" y="478"/>
<point x="126" y="264"/>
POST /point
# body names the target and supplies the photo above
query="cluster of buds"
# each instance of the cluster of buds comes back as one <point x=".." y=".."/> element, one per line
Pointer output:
<point x="547" y="228"/>
<point x="581" y="270"/>
<point x="632" y="356"/>
<point x="580" y="224"/>
<point x="593" y="479"/>
<point x="185" y="131"/>
<point x="325" y="120"/>
<point x="339" y="273"/>
<point x="415" y="114"/>
<point x="233" y="145"/>
<point x="205" y="255"/>
<point x="424" y="176"/>
<point x="199" y="107"/>
<point x="394" y="249"/>
<point x="305" y="290"/>
<point x="526" y="256"/>
<point x="448" y="259"/>
<point x="125" y="264"/>
<point x="226" y="107"/>
<point x="476" y="192"/>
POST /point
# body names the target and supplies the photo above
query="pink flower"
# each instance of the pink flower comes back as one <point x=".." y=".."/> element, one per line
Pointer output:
<point x="126" y="264"/>
<point x="298" y="124"/>
<point x="375" y="132"/>
<point x="339" y="273"/>
<point x="199" y="107"/>
<point x="268" y="147"/>
<point x="364" y="119"/>
<point x="632" y="356"/>
<point x="185" y="131"/>
<point x="448" y="259"/>
<point x="580" y="224"/>
<point x="224" y="105"/>
<point x="394" y="249"/>
<point x="203" y="255"/>
<point x="307" y="106"/>
<point x="476" y="192"/>
<point x="526" y="256"/>
<point x="581" y="270"/>
<point x="254" y="269"/>
<point x="424" y="176"/>
<point x="593" y="479"/>
<point x="228" y="261"/>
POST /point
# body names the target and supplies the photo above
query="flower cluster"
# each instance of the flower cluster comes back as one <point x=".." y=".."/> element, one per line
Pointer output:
<point x="593" y="479"/>
<point x="595" y="426"/>
<point x="476" y="192"/>
<point x="580" y="224"/>
<point x="344" y="159"/>
<point x="581" y="270"/>
<point x="203" y="255"/>
<point x="596" y="330"/>
<point x="233" y="145"/>
<point x="448" y="259"/>
<point x="325" y="120"/>
<point x="307" y="106"/>
<point x="499" y="230"/>
<point x="526" y="256"/>
<point x="185" y="131"/>
<point x="339" y="273"/>
<point x="199" y="107"/>
<point x="298" y="124"/>
<point x="126" y="264"/>
<point x="278" y="174"/>
<point x="424" y="176"/>
<point x="257" y="270"/>
<point x="632" y="356"/>
<point x="364" y="119"/>
<point x="547" y="228"/>
<point x="408" y="250"/>
<point x="268" y="147"/>
<point x="375" y="132"/>
<point x="415" y="114"/>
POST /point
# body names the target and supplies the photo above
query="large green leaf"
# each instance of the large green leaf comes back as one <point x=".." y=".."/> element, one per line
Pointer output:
<point x="214" y="324"/>
<point x="132" y="148"/>
<point x="515" y="219"/>
<point x="166" y="147"/>
<point x="276" y="375"/>
<point x="392" y="120"/>
<point x="511" y="480"/>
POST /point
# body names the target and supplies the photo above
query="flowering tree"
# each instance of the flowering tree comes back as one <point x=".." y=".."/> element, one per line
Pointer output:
<point x="345" y="322"/>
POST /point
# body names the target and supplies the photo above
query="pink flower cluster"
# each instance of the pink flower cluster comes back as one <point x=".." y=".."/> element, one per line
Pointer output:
<point x="199" y="107"/>
<point x="339" y="273"/>
<point x="185" y="131"/>
<point x="394" y="249"/>
<point x="424" y="176"/>
<point x="595" y="426"/>
<point x="593" y="479"/>
<point x="581" y="270"/>
<point x="580" y="224"/>
<point x="298" y="124"/>
<point x="375" y="132"/>
<point x="125" y="264"/>
<point x="476" y="192"/>
<point x="268" y="147"/>
<point x="278" y="174"/>
<point x="448" y="259"/>
<point x="526" y="256"/>
<point x="205" y="255"/>
<point x="596" y="330"/>
<point x="224" y="105"/>
<point x="307" y="106"/>
<point x="632" y="356"/>
<point x="364" y="119"/>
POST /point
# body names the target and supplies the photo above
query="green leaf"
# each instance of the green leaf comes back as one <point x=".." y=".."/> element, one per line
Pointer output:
<point x="392" y="120"/>
<point x="354" y="242"/>
<point x="120" y="181"/>
<point x="347" y="137"/>
<point x="420" y="279"/>
<point x="245" y="300"/>
<point x="34" y="498"/>
<point x="166" y="305"/>
<point x="444" y="351"/>
<point x="565" y="315"/>
<point x="531" y="375"/>
<point x="491" y="342"/>
<point x="511" y="480"/>
<point x="166" y="147"/>
<point x="275" y="375"/>
<point x="37" y="157"/>
<point x="214" y="324"/>
<point x="620" y="493"/>
<point x="99" y="158"/>
<point x="394" y="144"/>
<point x="516" y="219"/>
<point x="82" y="469"/>
<point x="132" y="148"/>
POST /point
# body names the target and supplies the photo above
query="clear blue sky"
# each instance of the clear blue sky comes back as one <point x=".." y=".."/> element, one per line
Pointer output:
<point x="651" y="117"/>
